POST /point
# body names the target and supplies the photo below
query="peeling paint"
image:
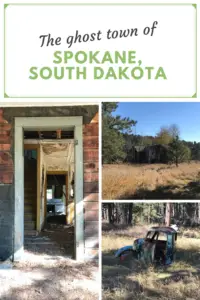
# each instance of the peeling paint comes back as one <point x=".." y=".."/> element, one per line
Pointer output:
<point x="58" y="157"/>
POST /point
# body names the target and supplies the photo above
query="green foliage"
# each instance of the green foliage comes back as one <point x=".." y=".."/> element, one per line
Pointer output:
<point x="178" y="152"/>
<point x="146" y="213"/>
<point x="146" y="141"/>
<point x="118" y="142"/>
<point x="113" y="128"/>
<point x="166" y="134"/>
<point x="163" y="137"/>
<point x="112" y="145"/>
<point x="195" y="150"/>
<point x="185" y="214"/>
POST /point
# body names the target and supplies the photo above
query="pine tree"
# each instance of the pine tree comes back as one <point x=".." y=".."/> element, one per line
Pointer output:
<point x="113" y="128"/>
<point x="178" y="152"/>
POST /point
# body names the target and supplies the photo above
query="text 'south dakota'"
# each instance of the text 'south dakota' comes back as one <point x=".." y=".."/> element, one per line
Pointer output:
<point x="97" y="65"/>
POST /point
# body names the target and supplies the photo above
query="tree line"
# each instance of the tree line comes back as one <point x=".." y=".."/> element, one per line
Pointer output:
<point x="182" y="214"/>
<point x="118" y="140"/>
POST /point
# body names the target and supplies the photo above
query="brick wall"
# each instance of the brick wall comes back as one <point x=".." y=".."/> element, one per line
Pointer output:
<point x="91" y="177"/>
<point x="6" y="162"/>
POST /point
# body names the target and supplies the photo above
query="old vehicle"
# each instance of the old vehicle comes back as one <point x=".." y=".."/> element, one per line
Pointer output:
<point x="159" y="245"/>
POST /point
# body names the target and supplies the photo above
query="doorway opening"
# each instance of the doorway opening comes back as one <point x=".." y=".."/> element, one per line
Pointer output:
<point x="56" y="198"/>
<point x="38" y="125"/>
<point x="49" y="192"/>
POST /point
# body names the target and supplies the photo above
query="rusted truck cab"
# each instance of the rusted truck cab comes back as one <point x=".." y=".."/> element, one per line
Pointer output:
<point x="159" y="245"/>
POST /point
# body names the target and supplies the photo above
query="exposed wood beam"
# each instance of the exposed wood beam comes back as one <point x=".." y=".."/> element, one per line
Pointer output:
<point x="28" y="146"/>
<point x="48" y="141"/>
<point x="56" y="172"/>
<point x="39" y="134"/>
<point x="58" y="133"/>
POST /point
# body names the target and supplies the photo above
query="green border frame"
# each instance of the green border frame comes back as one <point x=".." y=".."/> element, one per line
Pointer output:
<point x="100" y="4"/>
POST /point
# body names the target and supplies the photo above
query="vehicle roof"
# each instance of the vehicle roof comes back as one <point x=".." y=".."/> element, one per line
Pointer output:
<point x="163" y="229"/>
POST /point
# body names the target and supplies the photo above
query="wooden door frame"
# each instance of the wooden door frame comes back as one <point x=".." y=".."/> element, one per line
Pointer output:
<point x="47" y="123"/>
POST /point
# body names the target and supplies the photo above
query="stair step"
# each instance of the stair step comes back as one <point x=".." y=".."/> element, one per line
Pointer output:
<point x="30" y="233"/>
<point x="29" y="204"/>
<point x="29" y="222"/>
<point x="29" y="210"/>
<point x="36" y="243"/>
<point x="30" y="195"/>
<point x="29" y="217"/>
<point x="32" y="189"/>
<point x="29" y="225"/>
<point x="29" y="199"/>
<point x="44" y="247"/>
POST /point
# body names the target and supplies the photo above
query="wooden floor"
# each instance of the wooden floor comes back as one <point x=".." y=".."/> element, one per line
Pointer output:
<point x="55" y="239"/>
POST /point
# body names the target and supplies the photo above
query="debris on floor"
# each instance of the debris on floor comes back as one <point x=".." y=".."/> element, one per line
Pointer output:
<point x="54" y="239"/>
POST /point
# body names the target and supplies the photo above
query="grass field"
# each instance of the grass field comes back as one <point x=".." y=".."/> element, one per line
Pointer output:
<point x="151" y="181"/>
<point x="132" y="279"/>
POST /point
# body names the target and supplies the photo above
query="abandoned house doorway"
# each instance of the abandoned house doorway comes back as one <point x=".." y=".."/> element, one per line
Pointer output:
<point x="50" y="163"/>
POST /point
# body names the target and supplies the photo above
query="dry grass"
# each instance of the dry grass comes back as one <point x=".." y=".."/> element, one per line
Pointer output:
<point x="132" y="279"/>
<point x="153" y="181"/>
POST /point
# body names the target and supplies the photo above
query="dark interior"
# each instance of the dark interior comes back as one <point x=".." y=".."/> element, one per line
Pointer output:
<point x="153" y="237"/>
<point x="48" y="135"/>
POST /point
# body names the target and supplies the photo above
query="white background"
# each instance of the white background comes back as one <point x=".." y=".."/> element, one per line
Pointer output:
<point x="172" y="47"/>
<point x="75" y="101"/>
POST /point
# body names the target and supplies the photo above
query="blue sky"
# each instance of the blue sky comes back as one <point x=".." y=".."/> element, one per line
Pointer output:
<point x="150" y="116"/>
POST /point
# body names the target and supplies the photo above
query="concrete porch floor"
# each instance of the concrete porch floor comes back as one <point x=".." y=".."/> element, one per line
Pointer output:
<point x="50" y="277"/>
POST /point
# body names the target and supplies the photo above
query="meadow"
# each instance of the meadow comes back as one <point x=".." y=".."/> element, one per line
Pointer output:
<point x="133" y="279"/>
<point x="151" y="181"/>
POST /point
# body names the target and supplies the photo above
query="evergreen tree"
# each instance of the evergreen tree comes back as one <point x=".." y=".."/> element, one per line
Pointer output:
<point x="163" y="214"/>
<point x="178" y="152"/>
<point x="113" y="129"/>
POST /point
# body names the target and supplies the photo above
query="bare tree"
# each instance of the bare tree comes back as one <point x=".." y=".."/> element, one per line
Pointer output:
<point x="174" y="131"/>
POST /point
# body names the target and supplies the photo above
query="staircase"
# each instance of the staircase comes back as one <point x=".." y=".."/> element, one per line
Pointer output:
<point x="30" y="195"/>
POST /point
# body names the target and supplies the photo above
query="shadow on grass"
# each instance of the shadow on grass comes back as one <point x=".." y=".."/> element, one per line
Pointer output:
<point x="174" y="192"/>
<point x="107" y="227"/>
<point x="118" y="276"/>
